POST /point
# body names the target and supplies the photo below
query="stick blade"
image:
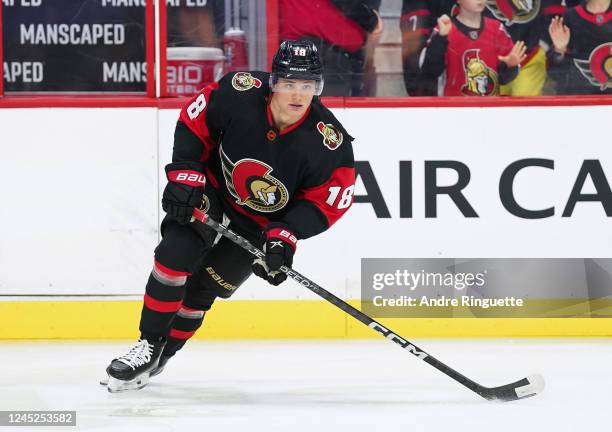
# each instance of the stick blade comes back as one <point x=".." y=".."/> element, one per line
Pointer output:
<point x="527" y="387"/>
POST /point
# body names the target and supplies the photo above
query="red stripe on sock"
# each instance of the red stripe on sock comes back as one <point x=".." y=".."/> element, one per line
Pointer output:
<point x="178" y="334"/>
<point x="161" y="306"/>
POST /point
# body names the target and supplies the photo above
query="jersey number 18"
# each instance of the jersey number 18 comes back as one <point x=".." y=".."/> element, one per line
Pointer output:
<point x="345" y="199"/>
<point x="196" y="107"/>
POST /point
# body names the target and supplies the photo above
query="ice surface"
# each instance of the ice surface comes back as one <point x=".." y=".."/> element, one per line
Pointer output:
<point x="314" y="386"/>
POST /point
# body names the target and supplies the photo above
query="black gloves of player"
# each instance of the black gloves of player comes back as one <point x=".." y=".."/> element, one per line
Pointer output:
<point x="279" y="246"/>
<point x="184" y="190"/>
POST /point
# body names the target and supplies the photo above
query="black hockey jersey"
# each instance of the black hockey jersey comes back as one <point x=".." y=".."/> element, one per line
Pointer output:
<point x="303" y="176"/>
<point x="588" y="61"/>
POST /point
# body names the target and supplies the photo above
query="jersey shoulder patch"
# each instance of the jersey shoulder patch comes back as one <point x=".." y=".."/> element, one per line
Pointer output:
<point x="244" y="81"/>
<point x="331" y="132"/>
<point x="332" y="136"/>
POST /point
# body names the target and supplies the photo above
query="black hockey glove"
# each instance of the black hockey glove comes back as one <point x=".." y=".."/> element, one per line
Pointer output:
<point x="278" y="243"/>
<point x="184" y="190"/>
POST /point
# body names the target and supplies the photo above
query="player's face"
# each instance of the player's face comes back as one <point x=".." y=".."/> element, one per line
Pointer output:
<point x="474" y="6"/>
<point x="293" y="96"/>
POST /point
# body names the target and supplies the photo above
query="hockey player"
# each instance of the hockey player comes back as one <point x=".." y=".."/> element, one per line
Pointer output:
<point x="476" y="52"/>
<point x="582" y="46"/>
<point x="261" y="149"/>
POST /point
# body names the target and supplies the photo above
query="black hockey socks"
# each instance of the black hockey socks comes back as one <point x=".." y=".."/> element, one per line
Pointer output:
<point x="163" y="298"/>
<point x="185" y="324"/>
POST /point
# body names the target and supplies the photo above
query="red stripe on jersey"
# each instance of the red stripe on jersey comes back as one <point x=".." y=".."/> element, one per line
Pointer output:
<point x="592" y="18"/>
<point x="554" y="10"/>
<point x="419" y="12"/>
<point x="335" y="188"/>
<point x="193" y="114"/>
<point x="179" y="334"/>
<point x="168" y="271"/>
<point x="161" y="306"/>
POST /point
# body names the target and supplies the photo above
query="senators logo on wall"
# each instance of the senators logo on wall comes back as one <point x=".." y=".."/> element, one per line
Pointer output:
<point x="243" y="81"/>
<point x="250" y="183"/>
<point x="514" y="11"/>
<point x="480" y="79"/>
<point x="598" y="68"/>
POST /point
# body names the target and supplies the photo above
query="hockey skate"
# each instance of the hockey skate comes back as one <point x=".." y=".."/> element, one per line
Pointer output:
<point x="132" y="370"/>
<point x="160" y="365"/>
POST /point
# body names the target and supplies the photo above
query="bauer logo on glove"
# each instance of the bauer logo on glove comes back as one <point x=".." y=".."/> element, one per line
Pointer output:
<point x="279" y="245"/>
<point x="184" y="190"/>
<point x="191" y="178"/>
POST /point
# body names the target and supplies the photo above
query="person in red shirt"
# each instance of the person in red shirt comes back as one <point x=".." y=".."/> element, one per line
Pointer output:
<point x="476" y="52"/>
<point x="342" y="30"/>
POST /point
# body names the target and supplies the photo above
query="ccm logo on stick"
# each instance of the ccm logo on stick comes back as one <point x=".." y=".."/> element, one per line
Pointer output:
<point x="398" y="340"/>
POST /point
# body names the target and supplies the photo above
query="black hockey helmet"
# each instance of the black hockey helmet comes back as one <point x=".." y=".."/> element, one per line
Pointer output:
<point x="299" y="60"/>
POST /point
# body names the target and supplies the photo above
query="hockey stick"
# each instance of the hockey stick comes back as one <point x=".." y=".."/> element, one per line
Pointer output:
<point x="526" y="387"/>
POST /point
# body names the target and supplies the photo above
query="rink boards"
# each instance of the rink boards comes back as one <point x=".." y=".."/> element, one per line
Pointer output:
<point x="80" y="215"/>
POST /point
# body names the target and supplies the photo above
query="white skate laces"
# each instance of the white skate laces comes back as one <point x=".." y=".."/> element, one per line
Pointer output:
<point x="138" y="355"/>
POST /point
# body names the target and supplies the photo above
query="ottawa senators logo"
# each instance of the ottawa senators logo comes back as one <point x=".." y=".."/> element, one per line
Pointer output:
<point x="332" y="137"/>
<point x="598" y="68"/>
<point x="250" y="182"/>
<point x="205" y="205"/>
<point x="243" y="81"/>
<point x="480" y="80"/>
<point x="514" y="11"/>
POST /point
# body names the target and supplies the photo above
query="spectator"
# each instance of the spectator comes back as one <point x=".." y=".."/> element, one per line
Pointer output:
<point x="582" y="42"/>
<point x="558" y="72"/>
<point x="526" y="20"/>
<point x="196" y="25"/>
<point x="416" y="23"/>
<point x="476" y="52"/>
<point x="341" y="30"/>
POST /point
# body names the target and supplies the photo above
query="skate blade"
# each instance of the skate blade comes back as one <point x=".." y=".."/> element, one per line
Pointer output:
<point x="115" y="385"/>
<point x="156" y="371"/>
